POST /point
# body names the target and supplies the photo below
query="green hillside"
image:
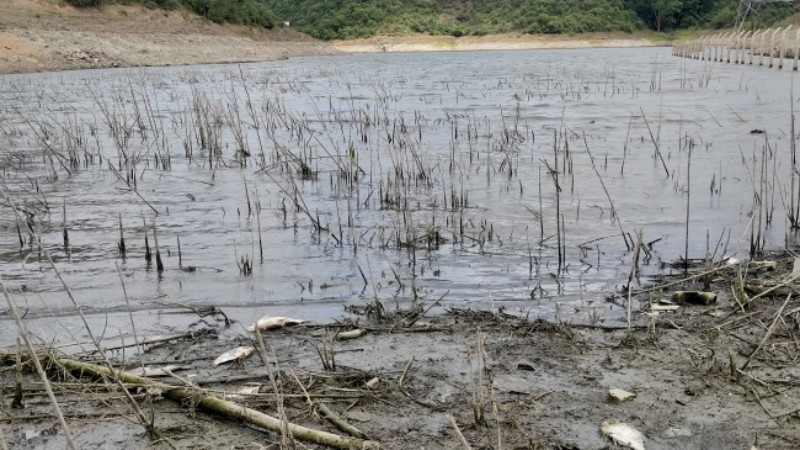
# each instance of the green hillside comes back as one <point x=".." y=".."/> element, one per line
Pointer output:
<point x="343" y="19"/>
<point x="347" y="19"/>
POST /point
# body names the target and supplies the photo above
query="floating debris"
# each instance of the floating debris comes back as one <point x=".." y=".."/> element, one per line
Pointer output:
<point x="623" y="434"/>
<point x="270" y="323"/>
<point x="236" y="354"/>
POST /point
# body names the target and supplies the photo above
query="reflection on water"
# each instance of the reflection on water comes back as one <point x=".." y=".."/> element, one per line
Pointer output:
<point x="338" y="180"/>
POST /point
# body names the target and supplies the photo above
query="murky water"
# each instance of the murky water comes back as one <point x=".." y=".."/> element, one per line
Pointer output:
<point x="342" y="179"/>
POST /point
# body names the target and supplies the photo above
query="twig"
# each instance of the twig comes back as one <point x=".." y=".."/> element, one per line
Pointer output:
<point x="459" y="435"/>
<point x="405" y="372"/>
<point x="769" y="332"/>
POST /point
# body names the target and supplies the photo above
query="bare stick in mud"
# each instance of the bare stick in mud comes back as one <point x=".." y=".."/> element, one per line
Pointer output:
<point x="64" y="226"/>
<point x="634" y="263"/>
<point x="226" y="408"/>
<point x="148" y="257"/>
<point x="459" y="435"/>
<point x="121" y="244"/>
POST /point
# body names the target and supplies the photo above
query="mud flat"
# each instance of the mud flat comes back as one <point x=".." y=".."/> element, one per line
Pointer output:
<point x="711" y="376"/>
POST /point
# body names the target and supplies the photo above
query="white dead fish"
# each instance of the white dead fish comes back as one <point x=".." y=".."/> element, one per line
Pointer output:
<point x="623" y="434"/>
<point x="235" y="354"/>
<point x="152" y="371"/>
<point x="352" y="334"/>
<point x="271" y="323"/>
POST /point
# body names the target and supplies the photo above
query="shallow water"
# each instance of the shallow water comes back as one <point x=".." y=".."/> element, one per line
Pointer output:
<point x="414" y="130"/>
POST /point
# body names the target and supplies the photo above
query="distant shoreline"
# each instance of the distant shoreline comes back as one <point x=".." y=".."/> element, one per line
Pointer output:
<point x="425" y="43"/>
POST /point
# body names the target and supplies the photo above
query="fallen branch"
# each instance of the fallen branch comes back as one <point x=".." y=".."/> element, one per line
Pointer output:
<point x="224" y="407"/>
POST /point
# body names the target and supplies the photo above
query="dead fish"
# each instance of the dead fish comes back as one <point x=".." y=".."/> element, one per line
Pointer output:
<point x="236" y="354"/>
<point x="623" y="434"/>
<point x="352" y="334"/>
<point x="271" y="323"/>
<point x="151" y="371"/>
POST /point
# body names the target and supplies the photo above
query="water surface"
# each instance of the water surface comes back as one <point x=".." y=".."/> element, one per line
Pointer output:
<point x="391" y="176"/>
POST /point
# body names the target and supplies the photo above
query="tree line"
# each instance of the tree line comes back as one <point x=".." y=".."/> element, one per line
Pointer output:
<point x="346" y="19"/>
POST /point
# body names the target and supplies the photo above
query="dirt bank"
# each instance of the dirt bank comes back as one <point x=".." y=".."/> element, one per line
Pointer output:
<point x="40" y="35"/>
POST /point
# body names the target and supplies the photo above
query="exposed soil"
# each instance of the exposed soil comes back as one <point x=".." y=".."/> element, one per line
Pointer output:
<point x="40" y="35"/>
<point x="508" y="382"/>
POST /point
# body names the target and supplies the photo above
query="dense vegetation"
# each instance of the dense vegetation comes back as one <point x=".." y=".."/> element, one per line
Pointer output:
<point x="244" y="12"/>
<point x="344" y="19"/>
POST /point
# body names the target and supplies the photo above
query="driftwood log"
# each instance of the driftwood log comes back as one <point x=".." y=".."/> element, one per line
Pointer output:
<point x="220" y="406"/>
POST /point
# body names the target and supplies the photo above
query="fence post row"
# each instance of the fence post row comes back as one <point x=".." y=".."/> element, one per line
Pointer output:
<point x="743" y="47"/>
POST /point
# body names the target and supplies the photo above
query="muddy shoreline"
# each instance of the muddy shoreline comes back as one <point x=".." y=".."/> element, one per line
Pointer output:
<point x="704" y="376"/>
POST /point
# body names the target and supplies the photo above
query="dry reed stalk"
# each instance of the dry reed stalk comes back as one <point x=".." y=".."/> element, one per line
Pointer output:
<point x="631" y="275"/>
<point x="459" y="435"/>
<point x="286" y="436"/>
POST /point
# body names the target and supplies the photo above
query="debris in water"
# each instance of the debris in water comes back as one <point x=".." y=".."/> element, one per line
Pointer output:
<point x="623" y="434"/>
<point x="236" y="354"/>
<point x="271" y="323"/>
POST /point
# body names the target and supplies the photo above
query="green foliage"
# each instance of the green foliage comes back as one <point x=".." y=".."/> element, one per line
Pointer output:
<point x="347" y="19"/>
<point x="85" y="3"/>
<point x="244" y="12"/>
